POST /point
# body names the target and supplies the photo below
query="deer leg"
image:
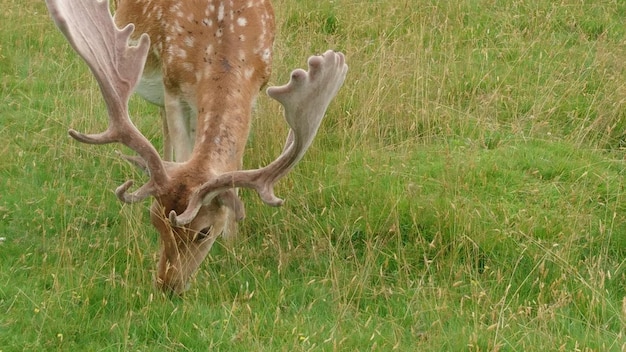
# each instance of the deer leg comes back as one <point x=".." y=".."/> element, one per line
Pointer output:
<point x="168" y="152"/>
<point x="191" y="116"/>
<point x="177" y="127"/>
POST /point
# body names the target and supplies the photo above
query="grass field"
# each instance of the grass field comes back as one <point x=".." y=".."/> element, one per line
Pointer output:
<point x="466" y="192"/>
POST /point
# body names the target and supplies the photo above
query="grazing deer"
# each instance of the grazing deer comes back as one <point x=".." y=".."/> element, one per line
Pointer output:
<point x="207" y="59"/>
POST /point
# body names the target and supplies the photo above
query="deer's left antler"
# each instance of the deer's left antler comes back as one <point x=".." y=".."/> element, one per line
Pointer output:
<point x="305" y="100"/>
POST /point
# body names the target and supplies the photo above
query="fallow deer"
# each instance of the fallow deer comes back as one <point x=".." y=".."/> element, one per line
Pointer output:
<point x="202" y="58"/>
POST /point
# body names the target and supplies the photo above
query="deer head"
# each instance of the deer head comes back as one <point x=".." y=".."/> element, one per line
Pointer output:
<point x="213" y="59"/>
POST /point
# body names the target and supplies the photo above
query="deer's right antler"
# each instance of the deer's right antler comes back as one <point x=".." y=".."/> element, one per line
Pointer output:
<point x="89" y="28"/>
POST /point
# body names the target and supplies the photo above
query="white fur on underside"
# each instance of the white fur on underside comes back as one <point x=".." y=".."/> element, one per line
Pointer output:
<point x="151" y="88"/>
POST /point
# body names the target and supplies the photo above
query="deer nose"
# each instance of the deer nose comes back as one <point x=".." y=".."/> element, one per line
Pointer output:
<point x="172" y="287"/>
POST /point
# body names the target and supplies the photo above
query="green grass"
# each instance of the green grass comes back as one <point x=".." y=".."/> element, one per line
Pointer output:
<point x="466" y="192"/>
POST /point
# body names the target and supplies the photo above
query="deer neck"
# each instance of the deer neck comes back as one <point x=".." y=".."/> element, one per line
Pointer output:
<point x="223" y="124"/>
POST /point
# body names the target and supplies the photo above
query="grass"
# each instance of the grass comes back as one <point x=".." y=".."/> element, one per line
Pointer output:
<point x="466" y="192"/>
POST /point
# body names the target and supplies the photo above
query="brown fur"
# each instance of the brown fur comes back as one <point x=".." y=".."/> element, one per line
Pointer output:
<point x="216" y="60"/>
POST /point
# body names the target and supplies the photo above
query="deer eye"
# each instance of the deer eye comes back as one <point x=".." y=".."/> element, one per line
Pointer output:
<point x="202" y="234"/>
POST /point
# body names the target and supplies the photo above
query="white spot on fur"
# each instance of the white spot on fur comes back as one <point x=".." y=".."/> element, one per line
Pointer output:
<point x="220" y="12"/>
<point x="189" y="41"/>
<point x="248" y="73"/>
<point x="267" y="55"/>
<point x="178" y="27"/>
<point x="242" y="21"/>
<point x="181" y="53"/>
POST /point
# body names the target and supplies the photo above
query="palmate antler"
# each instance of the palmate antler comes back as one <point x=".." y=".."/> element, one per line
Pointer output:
<point x="89" y="28"/>
<point x="305" y="99"/>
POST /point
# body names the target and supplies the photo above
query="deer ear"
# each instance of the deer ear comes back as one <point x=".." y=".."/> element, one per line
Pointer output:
<point x="230" y="199"/>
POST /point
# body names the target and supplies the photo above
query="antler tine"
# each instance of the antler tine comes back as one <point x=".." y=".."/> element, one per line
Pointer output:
<point x="89" y="28"/>
<point x="305" y="100"/>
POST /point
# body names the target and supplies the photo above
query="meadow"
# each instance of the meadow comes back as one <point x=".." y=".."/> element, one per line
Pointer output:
<point x="466" y="192"/>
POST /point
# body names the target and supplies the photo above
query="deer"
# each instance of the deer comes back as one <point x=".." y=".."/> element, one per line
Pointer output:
<point x="204" y="62"/>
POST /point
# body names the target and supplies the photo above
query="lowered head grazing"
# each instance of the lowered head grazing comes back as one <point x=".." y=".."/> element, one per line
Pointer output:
<point x="203" y="63"/>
